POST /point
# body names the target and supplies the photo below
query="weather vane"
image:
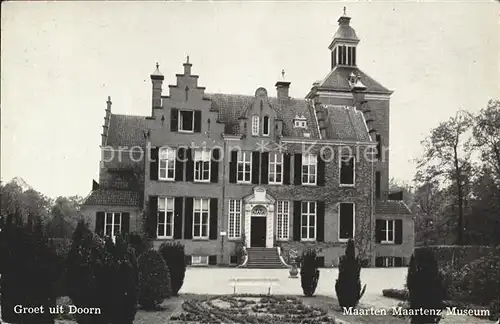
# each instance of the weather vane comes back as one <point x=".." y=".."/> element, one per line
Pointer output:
<point x="283" y="74"/>
<point x="345" y="10"/>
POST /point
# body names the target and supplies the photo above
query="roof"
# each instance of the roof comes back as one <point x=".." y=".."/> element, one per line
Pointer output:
<point x="345" y="123"/>
<point x="345" y="31"/>
<point x="111" y="197"/>
<point x="126" y="130"/>
<point x="392" y="207"/>
<point x="232" y="106"/>
<point x="337" y="80"/>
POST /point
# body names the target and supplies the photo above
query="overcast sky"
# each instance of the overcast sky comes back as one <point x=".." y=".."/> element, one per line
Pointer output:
<point x="61" y="60"/>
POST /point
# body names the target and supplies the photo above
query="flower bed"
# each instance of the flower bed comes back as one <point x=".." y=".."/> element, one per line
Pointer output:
<point x="247" y="309"/>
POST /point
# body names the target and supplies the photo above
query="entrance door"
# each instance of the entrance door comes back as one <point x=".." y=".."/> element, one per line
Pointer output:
<point x="258" y="235"/>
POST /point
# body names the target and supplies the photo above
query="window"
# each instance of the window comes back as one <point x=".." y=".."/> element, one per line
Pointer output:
<point x="255" y="125"/>
<point x="300" y="122"/>
<point x="202" y="165"/>
<point x="186" y="120"/>
<point x="388" y="231"/>
<point x="265" y="127"/>
<point x="308" y="221"/>
<point x="309" y="169"/>
<point x="234" y="219"/>
<point x="199" y="260"/>
<point x="244" y="166"/>
<point x="275" y="168"/>
<point x="112" y="224"/>
<point x="201" y="216"/>
<point x="166" y="164"/>
<point x="283" y="213"/>
<point x="347" y="171"/>
<point x="165" y="217"/>
<point x="346" y="221"/>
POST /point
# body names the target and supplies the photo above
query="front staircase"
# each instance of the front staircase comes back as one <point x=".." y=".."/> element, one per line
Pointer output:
<point x="264" y="258"/>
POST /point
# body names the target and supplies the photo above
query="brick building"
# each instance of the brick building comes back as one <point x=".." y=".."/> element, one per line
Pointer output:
<point x="215" y="170"/>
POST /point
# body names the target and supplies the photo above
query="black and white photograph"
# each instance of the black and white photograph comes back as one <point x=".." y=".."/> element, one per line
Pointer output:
<point x="244" y="162"/>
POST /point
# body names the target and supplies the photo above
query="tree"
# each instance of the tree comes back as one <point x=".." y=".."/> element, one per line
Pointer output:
<point x="447" y="159"/>
<point x="309" y="272"/>
<point x="173" y="254"/>
<point x="64" y="216"/>
<point x="154" y="280"/>
<point x="348" y="284"/>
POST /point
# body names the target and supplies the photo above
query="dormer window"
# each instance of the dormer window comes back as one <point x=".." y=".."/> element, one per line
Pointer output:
<point x="255" y="125"/>
<point x="265" y="126"/>
<point x="300" y="121"/>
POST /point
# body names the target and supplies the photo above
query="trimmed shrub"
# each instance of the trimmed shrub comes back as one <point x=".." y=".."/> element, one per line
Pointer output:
<point x="348" y="284"/>
<point x="173" y="254"/>
<point x="400" y="294"/>
<point x="425" y="287"/>
<point x="309" y="272"/>
<point x="28" y="273"/>
<point x="154" y="280"/>
<point x="140" y="243"/>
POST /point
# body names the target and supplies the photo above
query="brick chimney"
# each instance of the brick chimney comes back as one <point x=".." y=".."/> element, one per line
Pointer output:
<point x="157" y="81"/>
<point x="283" y="87"/>
<point x="187" y="67"/>
<point x="105" y="126"/>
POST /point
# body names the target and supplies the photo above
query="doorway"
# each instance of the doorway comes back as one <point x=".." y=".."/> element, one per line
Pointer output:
<point x="258" y="234"/>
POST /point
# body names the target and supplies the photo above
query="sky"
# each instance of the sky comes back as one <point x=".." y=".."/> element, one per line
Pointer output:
<point x="61" y="60"/>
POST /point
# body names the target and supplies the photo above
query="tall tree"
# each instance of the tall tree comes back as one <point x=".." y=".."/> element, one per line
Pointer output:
<point x="447" y="160"/>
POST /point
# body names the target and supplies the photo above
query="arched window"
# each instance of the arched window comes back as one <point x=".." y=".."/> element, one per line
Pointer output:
<point x="265" y="127"/>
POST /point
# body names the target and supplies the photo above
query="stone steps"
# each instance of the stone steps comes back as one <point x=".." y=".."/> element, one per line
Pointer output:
<point x="264" y="258"/>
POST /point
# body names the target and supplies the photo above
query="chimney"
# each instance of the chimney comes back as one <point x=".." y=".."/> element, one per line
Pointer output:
<point x="105" y="126"/>
<point x="358" y="90"/>
<point x="157" y="81"/>
<point x="321" y="115"/>
<point x="283" y="87"/>
<point x="187" y="67"/>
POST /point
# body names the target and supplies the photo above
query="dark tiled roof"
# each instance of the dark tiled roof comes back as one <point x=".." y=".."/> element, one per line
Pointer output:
<point x="392" y="207"/>
<point x="345" y="123"/>
<point x="125" y="130"/>
<point x="337" y="79"/>
<point x="112" y="197"/>
<point x="231" y="107"/>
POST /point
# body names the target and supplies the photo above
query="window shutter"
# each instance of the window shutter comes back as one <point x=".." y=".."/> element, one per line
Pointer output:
<point x="321" y="170"/>
<point x="320" y="229"/>
<point x="214" y="166"/>
<point x="232" y="166"/>
<point x="286" y="169"/>
<point x="297" y="169"/>
<point x="174" y="120"/>
<point x="153" y="164"/>
<point x="212" y="260"/>
<point x="398" y="231"/>
<point x="99" y="223"/>
<point x="377" y="184"/>
<point x="125" y="223"/>
<point x="320" y="261"/>
<point x="188" y="218"/>
<point x="177" y="217"/>
<point x="179" y="164"/>
<point x="255" y="167"/>
<point x="379" y="262"/>
<point x="264" y="175"/>
<point x="398" y="262"/>
<point x="213" y="219"/>
<point x="197" y="121"/>
<point x="187" y="260"/>
<point x="296" y="220"/>
<point x="152" y="220"/>
<point x="379" y="233"/>
<point x="189" y="165"/>
<point x="379" y="145"/>
<point x="346" y="220"/>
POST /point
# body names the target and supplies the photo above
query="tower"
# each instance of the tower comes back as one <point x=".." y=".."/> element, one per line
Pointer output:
<point x="344" y="43"/>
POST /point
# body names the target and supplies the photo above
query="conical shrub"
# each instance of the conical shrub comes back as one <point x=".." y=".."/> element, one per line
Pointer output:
<point x="425" y="287"/>
<point x="348" y="284"/>
<point x="173" y="254"/>
<point x="309" y="272"/>
<point x="154" y="280"/>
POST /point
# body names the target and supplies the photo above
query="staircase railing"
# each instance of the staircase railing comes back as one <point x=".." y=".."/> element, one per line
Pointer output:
<point x="281" y="258"/>
<point x="245" y="258"/>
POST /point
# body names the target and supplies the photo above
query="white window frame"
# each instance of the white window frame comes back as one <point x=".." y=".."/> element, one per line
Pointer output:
<point x="283" y="220"/>
<point x="113" y="224"/>
<point x="353" y="184"/>
<point x="388" y="262"/>
<point x="268" y="126"/>
<point x="199" y="260"/>
<point x="273" y="167"/>
<point x="168" y="207"/>
<point x="311" y="162"/>
<point x="255" y="125"/>
<point x="308" y="225"/>
<point x="179" y="123"/>
<point x="234" y="219"/>
<point x="166" y="162"/>
<point x="386" y="231"/>
<point x="201" y="211"/>
<point x="201" y="157"/>
<point x="353" y="221"/>
<point x="247" y="166"/>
